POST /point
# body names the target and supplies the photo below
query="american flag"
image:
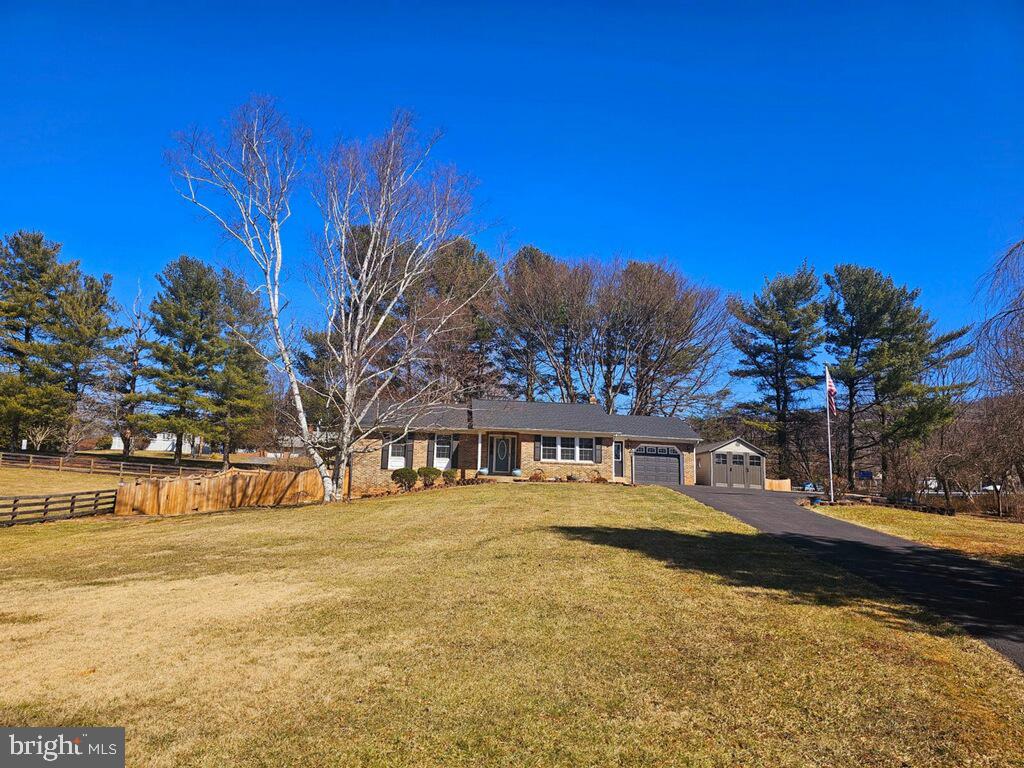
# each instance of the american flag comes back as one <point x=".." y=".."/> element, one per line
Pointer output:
<point x="830" y="392"/>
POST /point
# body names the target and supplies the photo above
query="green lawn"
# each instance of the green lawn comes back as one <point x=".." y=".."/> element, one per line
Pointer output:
<point x="500" y="625"/>
<point x="14" y="482"/>
<point x="994" y="540"/>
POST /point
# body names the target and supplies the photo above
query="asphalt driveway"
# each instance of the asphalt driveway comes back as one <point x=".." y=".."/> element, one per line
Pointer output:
<point x="986" y="600"/>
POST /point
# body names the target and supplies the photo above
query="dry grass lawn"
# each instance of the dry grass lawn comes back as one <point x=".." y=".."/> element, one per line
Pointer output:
<point x="997" y="541"/>
<point x="14" y="482"/>
<point x="503" y="625"/>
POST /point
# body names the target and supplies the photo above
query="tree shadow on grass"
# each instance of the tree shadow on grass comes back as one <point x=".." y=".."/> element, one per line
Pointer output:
<point x="983" y="599"/>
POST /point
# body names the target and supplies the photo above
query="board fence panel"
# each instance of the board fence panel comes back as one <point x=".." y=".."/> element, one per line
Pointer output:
<point x="230" y="489"/>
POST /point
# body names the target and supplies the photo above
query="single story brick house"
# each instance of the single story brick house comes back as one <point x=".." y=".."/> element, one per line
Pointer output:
<point x="559" y="439"/>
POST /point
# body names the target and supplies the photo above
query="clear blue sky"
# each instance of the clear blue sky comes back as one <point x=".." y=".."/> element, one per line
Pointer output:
<point x="733" y="139"/>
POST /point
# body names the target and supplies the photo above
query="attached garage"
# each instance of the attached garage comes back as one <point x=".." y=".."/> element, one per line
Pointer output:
<point x="731" y="463"/>
<point x="657" y="465"/>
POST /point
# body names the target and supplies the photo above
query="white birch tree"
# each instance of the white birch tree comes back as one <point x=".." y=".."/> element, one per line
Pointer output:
<point x="386" y="210"/>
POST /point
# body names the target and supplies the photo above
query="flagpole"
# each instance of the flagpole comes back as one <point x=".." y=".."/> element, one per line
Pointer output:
<point x="828" y="429"/>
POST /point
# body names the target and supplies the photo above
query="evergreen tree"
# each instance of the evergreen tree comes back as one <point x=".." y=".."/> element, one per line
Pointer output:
<point x="462" y="274"/>
<point x="240" y="387"/>
<point x="187" y="322"/>
<point x="81" y="331"/>
<point x="519" y="349"/>
<point x="56" y="327"/>
<point x="30" y="275"/>
<point x="886" y="351"/>
<point x="777" y="337"/>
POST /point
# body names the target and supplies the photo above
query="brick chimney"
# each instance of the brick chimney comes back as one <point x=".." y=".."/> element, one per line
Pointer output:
<point x="593" y="399"/>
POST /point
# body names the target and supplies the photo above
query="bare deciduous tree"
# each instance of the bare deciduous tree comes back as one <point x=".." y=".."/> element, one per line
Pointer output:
<point x="39" y="433"/>
<point x="121" y="393"/>
<point x="1002" y="335"/>
<point x="640" y="337"/>
<point x="386" y="210"/>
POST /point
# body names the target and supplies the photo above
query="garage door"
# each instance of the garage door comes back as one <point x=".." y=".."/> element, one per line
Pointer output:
<point x="654" y="465"/>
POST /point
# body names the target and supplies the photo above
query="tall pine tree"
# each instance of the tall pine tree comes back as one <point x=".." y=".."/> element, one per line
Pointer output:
<point x="56" y="328"/>
<point x="885" y="349"/>
<point x="184" y="356"/>
<point x="777" y="336"/>
<point x="240" y="396"/>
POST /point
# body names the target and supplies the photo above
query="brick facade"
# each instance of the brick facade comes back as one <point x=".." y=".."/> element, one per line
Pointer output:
<point x="368" y="477"/>
<point x="689" y="459"/>
<point x="366" y="474"/>
<point x="584" y="470"/>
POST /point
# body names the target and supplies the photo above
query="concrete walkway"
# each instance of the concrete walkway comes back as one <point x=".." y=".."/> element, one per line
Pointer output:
<point x="986" y="600"/>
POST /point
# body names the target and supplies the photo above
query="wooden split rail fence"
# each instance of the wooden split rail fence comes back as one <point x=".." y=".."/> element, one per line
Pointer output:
<point x="98" y="466"/>
<point x="56" y="506"/>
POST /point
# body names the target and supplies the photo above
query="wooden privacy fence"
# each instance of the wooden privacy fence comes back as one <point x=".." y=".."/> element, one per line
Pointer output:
<point x="55" y="506"/>
<point x="97" y="466"/>
<point x="231" y="489"/>
<point x="778" y="485"/>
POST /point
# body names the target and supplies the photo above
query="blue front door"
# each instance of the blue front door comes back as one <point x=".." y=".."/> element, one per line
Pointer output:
<point x="502" y="455"/>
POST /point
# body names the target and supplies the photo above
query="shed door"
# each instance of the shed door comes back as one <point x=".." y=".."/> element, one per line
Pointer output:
<point x="755" y="472"/>
<point x="720" y="469"/>
<point x="738" y="470"/>
<point x="654" y="465"/>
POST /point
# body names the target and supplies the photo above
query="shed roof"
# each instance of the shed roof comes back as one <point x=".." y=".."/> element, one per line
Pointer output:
<point x="709" y="447"/>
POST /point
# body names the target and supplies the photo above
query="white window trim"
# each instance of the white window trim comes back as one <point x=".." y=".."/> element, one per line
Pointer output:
<point x="558" y="449"/>
<point x="442" y="462"/>
<point x="397" y="462"/>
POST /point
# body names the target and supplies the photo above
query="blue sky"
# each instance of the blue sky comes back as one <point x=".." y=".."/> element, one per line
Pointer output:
<point x="733" y="139"/>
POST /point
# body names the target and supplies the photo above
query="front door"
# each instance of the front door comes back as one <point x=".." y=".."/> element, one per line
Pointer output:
<point x="619" y="468"/>
<point x="502" y="455"/>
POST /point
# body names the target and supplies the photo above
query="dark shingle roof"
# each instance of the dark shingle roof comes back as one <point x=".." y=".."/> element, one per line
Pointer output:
<point x="652" y="426"/>
<point x="708" y="447"/>
<point x="454" y="416"/>
<point x="586" y="418"/>
<point x="575" y="417"/>
<point x="516" y="414"/>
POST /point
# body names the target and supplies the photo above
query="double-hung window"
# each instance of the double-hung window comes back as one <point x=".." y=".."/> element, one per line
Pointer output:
<point x="549" y="447"/>
<point x="396" y="453"/>
<point x="567" y="449"/>
<point x="586" y="446"/>
<point x="442" y="451"/>
<point x="562" y="448"/>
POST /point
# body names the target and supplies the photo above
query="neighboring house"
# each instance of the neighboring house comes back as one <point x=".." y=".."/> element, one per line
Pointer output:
<point x="161" y="441"/>
<point x="732" y="463"/>
<point x="559" y="439"/>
